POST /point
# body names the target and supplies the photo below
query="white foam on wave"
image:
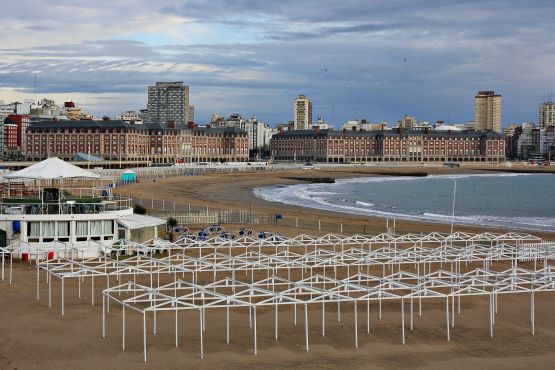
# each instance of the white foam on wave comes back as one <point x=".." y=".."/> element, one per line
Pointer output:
<point x="365" y="204"/>
<point x="312" y="197"/>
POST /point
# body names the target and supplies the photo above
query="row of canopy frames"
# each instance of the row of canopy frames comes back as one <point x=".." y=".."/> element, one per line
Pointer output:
<point x="260" y="277"/>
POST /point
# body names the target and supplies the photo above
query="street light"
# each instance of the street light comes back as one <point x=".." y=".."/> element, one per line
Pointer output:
<point x="453" y="209"/>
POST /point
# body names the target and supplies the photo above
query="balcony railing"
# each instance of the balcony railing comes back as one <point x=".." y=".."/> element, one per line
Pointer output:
<point x="91" y="205"/>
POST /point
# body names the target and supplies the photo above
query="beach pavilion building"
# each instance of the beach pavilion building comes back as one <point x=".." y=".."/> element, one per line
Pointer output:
<point x="53" y="207"/>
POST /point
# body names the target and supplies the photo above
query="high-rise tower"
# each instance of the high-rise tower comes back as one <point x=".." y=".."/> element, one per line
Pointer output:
<point x="488" y="111"/>
<point x="547" y="114"/>
<point x="168" y="101"/>
<point x="302" y="113"/>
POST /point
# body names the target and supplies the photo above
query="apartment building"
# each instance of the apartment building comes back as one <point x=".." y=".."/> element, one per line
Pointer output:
<point x="388" y="146"/>
<point x="487" y="111"/>
<point x="302" y="113"/>
<point x="121" y="140"/>
<point x="169" y="101"/>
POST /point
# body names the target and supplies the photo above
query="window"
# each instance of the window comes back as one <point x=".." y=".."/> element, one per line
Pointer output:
<point x="82" y="230"/>
<point x="108" y="230"/>
<point x="33" y="231"/>
<point x="48" y="231"/>
<point x="96" y="230"/>
<point x="63" y="231"/>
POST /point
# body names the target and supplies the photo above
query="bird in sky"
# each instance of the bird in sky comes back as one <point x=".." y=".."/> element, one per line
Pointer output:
<point x="404" y="60"/>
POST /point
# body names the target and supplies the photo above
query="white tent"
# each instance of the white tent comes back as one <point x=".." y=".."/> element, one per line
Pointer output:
<point x="52" y="168"/>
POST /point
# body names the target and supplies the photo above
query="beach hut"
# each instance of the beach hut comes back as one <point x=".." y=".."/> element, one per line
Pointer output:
<point x="128" y="176"/>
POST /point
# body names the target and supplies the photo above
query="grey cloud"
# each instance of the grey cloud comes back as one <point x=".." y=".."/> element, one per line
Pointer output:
<point x="349" y="57"/>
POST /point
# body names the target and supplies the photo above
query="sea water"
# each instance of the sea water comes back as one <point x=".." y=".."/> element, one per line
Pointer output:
<point x="511" y="201"/>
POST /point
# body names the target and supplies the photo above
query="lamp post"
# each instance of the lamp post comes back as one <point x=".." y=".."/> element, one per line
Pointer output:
<point x="453" y="209"/>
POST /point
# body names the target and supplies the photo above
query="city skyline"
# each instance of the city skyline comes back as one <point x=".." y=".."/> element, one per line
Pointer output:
<point x="354" y="60"/>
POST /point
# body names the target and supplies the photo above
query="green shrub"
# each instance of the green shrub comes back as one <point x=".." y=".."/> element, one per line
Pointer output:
<point x="138" y="209"/>
<point x="171" y="222"/>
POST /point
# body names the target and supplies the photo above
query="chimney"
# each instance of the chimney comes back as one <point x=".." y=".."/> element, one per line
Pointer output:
<point x="171" y="124"/>
<point x="106" y="118"/>
<point x="209" y="126"/>
<point x="191" y="125"/>
<point x="132" y="122"/>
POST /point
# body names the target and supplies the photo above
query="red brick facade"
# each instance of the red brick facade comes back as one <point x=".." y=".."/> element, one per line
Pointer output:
<point x="388" y="146"/>
<point x="118" y="140"/>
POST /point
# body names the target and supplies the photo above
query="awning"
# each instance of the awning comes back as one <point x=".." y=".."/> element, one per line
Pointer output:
<point x="136" y="221"/>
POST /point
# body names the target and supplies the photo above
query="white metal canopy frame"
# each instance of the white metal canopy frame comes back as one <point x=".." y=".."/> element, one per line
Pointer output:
<point x="311" y="271"/>
<point x="317" y="290"/>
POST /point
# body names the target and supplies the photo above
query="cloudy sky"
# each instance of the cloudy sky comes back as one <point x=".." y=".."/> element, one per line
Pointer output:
<point x="374" y="59"/>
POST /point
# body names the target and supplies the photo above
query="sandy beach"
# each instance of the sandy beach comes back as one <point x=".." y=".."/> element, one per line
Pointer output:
<point x="36" y="337"/>
<point x="235" y="191"/>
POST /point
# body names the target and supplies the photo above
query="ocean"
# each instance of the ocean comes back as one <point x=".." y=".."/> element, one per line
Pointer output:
<point x="510" y="201"/>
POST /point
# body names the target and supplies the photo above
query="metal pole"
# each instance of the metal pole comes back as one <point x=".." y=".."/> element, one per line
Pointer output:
<point x="306" y="326"/>
<point x="368" y="315"/>
<point x="154" y="324"/>
<point x="453" y="311"/>
<point x="276" y="333"/>
<point x="532" y="321"/>
<point x="38" y="277"/>
<point x="144" y="335"/>
<point x="227" y="320"/>
<point x="323" y="320"/>
<point x="411" y="304"/>
<point x="356" y="326"/>
<point x="103" y="316"/>
<point x="490" y="316"/>
<point x="176" y="327"/>
<point x="50" y="292"/>
<point x="123" y="328"/>
<point x="255" y="349"/>
<point x="201" y="334"/>
<point x="447" y="318"/>
<point x="62" y="296"/>
<point x="403" y="320"/>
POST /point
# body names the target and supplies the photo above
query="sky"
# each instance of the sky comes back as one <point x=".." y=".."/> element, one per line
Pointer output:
<point x="373" y="59"/>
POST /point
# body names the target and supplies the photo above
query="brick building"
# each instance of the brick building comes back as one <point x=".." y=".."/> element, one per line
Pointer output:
<point x="13" y="135"/>
<point x="125" y="141"/>
<point x="388" y="146"/>
<point x="219" y="144"/>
